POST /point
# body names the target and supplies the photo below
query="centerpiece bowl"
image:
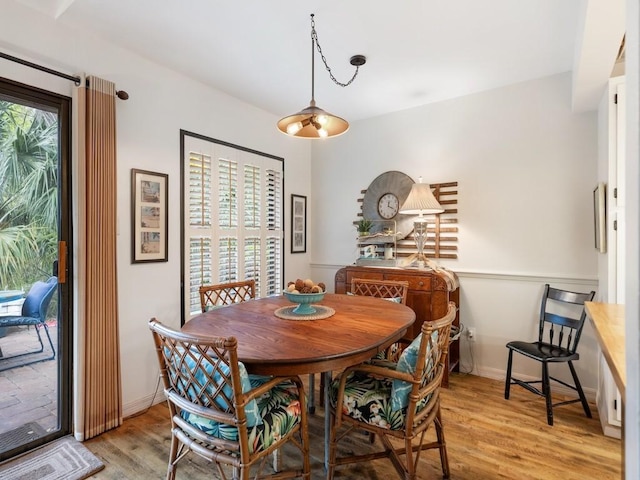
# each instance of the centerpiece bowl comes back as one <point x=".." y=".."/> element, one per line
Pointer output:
<point x="304" y="301"/>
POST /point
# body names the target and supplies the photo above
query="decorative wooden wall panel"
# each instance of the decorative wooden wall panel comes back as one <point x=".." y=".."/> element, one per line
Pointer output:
<point x="443" y="235"/>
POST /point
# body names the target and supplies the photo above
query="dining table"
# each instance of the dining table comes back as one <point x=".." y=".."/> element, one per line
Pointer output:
<point x="346" y="330"/>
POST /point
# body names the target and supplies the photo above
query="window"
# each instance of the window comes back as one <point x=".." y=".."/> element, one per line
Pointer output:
<point x="232" y="217"/>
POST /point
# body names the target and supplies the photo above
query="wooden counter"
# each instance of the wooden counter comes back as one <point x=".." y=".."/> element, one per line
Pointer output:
<point x="608" y="322"/>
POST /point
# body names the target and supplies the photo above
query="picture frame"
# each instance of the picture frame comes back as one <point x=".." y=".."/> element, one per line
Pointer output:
<point x="599" y="218"/>
<point x="149" y="216"/>
<point x="298" y="223"/>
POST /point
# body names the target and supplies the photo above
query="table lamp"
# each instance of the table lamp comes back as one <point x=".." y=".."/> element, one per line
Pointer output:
<point x="420" y="202"/>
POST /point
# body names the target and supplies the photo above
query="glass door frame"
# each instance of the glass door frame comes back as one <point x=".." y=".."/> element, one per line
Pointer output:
<point x="45" y="100"/>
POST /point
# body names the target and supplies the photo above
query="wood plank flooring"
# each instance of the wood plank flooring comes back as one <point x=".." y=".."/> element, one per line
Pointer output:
<point x="488" y="438"/>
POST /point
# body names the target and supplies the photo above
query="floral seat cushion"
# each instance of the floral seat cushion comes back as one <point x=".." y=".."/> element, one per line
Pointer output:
<point x="367" y="398"/>
<point x="279" y="409"/>
<point x="383" y="401"/>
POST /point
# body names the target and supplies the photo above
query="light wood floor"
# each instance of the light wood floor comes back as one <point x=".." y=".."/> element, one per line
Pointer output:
<point x="487" y="437"/>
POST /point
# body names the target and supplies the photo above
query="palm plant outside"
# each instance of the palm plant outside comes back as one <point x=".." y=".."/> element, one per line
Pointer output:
<point x="28" y="194"/>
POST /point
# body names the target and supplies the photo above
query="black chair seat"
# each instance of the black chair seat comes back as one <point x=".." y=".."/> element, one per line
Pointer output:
<point x="543" y="352"/>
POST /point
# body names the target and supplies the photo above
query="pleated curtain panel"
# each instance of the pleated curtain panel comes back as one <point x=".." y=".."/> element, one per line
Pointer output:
<point x="99" y="396"/>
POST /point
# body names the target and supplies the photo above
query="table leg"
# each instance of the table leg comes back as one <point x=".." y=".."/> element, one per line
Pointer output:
<point x="327" y="418"/>
<point x="312" y="394"/>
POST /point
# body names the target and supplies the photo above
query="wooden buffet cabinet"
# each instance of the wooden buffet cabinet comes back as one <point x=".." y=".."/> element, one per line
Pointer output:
<point x="428" y="296"/>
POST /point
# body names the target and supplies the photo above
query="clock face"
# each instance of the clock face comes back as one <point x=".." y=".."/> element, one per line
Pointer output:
<point x="388" y="206"/>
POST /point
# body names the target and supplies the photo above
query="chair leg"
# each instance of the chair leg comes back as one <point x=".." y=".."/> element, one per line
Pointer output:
<point x="546" y="389"/>
<point x="312" y="394"/>
<point x="507" y="382"/>
<point x="583" y="399"/>
<point x="173" y="454"/>
<point x="444" y="459"/>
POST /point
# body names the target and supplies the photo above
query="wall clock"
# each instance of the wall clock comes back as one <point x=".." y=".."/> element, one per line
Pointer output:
<point x="384" y="197"/>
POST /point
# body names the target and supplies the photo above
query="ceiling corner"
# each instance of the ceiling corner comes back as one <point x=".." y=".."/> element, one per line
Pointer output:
<point x="600" y="32"/>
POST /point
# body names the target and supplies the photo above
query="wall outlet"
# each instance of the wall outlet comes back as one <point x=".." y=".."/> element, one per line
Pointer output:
<point x="471" y="333"/>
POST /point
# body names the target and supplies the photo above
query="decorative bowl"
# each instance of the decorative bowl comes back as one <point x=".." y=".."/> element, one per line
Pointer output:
<point x="304" y="301"/>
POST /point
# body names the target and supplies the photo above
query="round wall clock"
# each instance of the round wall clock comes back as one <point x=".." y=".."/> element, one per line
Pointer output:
<point x="384" y="197"/>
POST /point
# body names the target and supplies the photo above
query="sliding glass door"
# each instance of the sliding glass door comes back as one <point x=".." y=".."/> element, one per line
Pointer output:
<point x="35" y="234"/>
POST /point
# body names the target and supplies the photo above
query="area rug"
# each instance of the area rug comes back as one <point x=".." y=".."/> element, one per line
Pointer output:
<point x="63" y="459"/>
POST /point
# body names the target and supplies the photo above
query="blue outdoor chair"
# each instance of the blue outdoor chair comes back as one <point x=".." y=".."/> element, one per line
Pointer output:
<point x="34" y="311"/>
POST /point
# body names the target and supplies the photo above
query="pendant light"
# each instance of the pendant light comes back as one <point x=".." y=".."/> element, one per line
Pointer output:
<point x="312" y="121"/>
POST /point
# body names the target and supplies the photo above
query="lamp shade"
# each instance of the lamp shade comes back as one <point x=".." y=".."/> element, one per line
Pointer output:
<point x="313" y="122"/>
<point x="421" y="201"/>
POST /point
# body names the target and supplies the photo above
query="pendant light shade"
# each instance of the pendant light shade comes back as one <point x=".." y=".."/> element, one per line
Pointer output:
<point x="312" y="121"/>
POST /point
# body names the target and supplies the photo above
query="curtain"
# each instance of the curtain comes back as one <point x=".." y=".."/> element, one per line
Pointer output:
<point x="98" y="390"/>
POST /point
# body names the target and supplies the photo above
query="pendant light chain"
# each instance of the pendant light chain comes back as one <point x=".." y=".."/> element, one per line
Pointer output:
<point x="314" y="37"/>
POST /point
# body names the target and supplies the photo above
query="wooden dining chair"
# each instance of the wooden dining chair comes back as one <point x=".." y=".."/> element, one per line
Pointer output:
<point x="212" y="296"/>
<point x="562" y="317"/>
<point x="221" y="413"/>
<point x="392" y="290"/>
<point x="395" y="401"/>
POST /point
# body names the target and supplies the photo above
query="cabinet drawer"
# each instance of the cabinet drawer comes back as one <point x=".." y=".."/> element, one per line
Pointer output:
<point x="361" y="274"/>
<point x="415" y="283"/>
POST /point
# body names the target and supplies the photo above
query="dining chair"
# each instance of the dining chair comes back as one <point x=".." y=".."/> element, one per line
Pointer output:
<point x="212" y="296"/>
<point x="562" y="317"/>
<point x="395" y="291"/>
<point x="34" y="313"/>
<point x="221" y="413"/>
<point x="394" y="400"/>
<point x="392" y="290"/>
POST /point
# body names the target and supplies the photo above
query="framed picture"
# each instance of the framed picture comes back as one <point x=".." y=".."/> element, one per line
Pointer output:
<point x="599" y="218"/>
<point x="149" y="216"/>
<point x="298" y="223"/>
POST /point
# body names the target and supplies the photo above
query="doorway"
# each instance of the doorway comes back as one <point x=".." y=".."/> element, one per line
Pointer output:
<point x="35" y="236"/>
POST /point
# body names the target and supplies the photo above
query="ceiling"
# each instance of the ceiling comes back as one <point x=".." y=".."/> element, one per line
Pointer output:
<point x="417" y="52"/>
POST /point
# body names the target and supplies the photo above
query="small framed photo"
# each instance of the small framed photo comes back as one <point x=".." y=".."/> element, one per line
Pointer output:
<point x="599" y="218"/>
<point x="149" y="216"/>
<point x="298" y="223"/>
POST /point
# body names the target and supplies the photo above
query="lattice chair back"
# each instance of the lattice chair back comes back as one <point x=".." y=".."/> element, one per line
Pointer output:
<point x="221" y="413"/>
<point x="212" y="296"/>
<point x="388" y="289"/>
<point x="562" y="317"/>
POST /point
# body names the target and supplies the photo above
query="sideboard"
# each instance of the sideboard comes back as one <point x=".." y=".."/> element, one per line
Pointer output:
<point x="429" y="294"/>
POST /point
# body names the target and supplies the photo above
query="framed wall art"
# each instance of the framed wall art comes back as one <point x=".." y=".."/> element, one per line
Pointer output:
<point x="298" y="223"/>
<point x="149" y="216"/>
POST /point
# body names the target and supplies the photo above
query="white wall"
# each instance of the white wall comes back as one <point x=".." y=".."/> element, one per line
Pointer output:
<point x="161" y="103"/>
<point x="526" y="166"/>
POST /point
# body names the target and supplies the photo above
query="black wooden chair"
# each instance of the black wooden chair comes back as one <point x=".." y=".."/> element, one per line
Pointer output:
<point x="562" y="316"/>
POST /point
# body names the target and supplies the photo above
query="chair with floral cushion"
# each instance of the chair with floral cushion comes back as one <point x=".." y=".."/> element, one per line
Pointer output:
<point x="212" y="296"/>
<point x="223" y="414"/>
<point x="391" y="290"/>
<point x="395" y="400"/>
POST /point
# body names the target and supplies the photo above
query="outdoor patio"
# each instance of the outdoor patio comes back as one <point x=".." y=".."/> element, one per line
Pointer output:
<point x="28" y="394"/>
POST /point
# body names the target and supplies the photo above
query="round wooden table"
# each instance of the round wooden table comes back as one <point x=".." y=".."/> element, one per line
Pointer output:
<point x="268" y="345"/>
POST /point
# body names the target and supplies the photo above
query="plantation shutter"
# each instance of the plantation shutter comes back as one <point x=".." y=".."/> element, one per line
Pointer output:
<point x="234" y="227"/>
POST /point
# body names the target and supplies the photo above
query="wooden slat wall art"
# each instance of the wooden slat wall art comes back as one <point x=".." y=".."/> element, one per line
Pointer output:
<point x="443" y="235"/>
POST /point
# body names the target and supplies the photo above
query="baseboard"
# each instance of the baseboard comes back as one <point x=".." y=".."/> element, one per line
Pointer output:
<point x="142" y="404"/>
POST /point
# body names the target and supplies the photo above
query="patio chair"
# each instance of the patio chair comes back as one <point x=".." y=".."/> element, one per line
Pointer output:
<point x="221" y="413"/>
<point x="34" y="311"/>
